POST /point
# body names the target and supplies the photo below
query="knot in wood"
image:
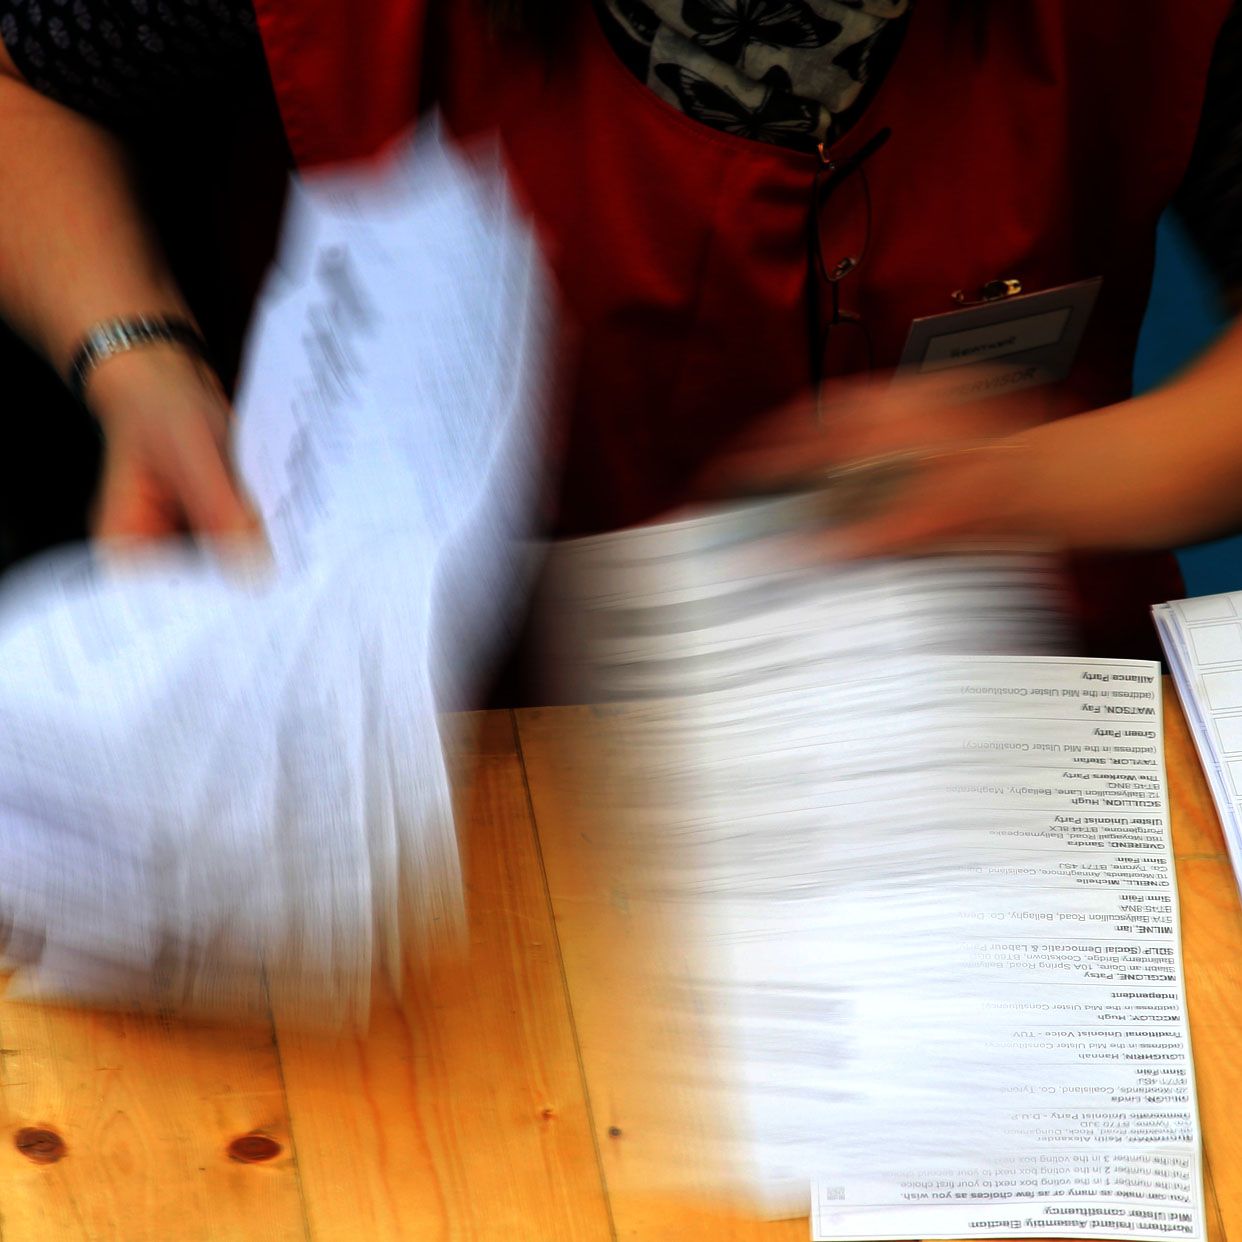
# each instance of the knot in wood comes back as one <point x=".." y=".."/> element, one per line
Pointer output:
<point x="254" y="1148"/>
<point x="41" y="1146"/>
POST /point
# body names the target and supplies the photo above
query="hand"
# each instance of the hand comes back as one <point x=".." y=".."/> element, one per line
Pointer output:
<point x="995" y="471"/>
<point x="165" y="419"/>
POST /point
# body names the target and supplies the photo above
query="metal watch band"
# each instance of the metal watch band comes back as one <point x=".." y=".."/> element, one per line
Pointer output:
<point x="118" y="336"/>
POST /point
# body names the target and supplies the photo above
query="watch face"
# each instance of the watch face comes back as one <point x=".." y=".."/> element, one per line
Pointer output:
<point x="115" y="336"/>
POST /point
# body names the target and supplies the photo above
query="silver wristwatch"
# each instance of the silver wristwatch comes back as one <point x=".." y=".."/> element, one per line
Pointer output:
<point x="119" y="336"/>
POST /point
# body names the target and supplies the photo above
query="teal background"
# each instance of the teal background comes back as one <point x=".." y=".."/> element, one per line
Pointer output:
<point x="1182" y="317"/>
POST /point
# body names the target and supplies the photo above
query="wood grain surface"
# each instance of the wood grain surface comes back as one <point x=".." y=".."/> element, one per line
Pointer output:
<point x="502" y="1095"/>
<point x="462" y="1114"/>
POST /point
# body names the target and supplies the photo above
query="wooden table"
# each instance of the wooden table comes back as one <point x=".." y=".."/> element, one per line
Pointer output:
<point x="486" y="1105"/>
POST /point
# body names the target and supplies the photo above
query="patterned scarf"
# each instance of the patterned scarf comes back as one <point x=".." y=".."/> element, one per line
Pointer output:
<point x="791" y="72"/>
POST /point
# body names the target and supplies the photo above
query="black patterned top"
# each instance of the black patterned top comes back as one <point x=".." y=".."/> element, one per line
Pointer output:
<point x="137" y="63"/>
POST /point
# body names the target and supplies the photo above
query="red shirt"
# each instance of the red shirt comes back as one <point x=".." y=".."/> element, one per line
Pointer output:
<point x="1039" y="139"/>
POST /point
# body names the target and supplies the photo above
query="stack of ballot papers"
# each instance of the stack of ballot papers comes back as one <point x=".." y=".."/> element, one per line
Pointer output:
<point x="918" y="957"/>
<point x="222" y="777"/>
<point x="1203" y="643"/>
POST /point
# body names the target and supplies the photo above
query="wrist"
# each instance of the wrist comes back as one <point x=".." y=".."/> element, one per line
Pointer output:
<point x="60" y="331"/>
<point x="163" y="378"/>
<point x="1136" y="475"/>
<point x="112" y="338"/>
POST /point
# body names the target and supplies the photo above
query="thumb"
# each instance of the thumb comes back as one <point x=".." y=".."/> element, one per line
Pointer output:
<point x="214" y="502"/>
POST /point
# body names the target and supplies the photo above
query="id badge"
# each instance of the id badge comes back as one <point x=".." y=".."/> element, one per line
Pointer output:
<point x="1026" y="339"/>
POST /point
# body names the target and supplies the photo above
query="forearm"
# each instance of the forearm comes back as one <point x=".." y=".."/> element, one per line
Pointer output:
<point x="1162" y="469"/>
<point x="75" y="248"/>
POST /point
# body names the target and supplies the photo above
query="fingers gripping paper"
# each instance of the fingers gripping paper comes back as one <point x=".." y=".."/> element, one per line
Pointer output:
<point x="215" y="785"/>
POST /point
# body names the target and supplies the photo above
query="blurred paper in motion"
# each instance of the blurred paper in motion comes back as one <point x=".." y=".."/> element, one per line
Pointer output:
<point x="221" y="782"/>
<point x="899" y="890"/>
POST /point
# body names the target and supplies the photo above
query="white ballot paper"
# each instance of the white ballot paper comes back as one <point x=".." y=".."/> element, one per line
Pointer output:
<point x="929" y="895"/>
<point x="1203" y="642"/>
<point x="226" y="781"/>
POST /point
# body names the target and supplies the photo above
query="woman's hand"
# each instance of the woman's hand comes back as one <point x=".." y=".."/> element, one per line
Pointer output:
<point x="951" y="472"/>
<point x="167" y="468"/>
<point x="1154" y="472"/>
<point x="76" y="250"/>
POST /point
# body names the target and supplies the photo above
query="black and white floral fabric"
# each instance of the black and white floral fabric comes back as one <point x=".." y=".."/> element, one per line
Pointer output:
<point x="791" y="72"/>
